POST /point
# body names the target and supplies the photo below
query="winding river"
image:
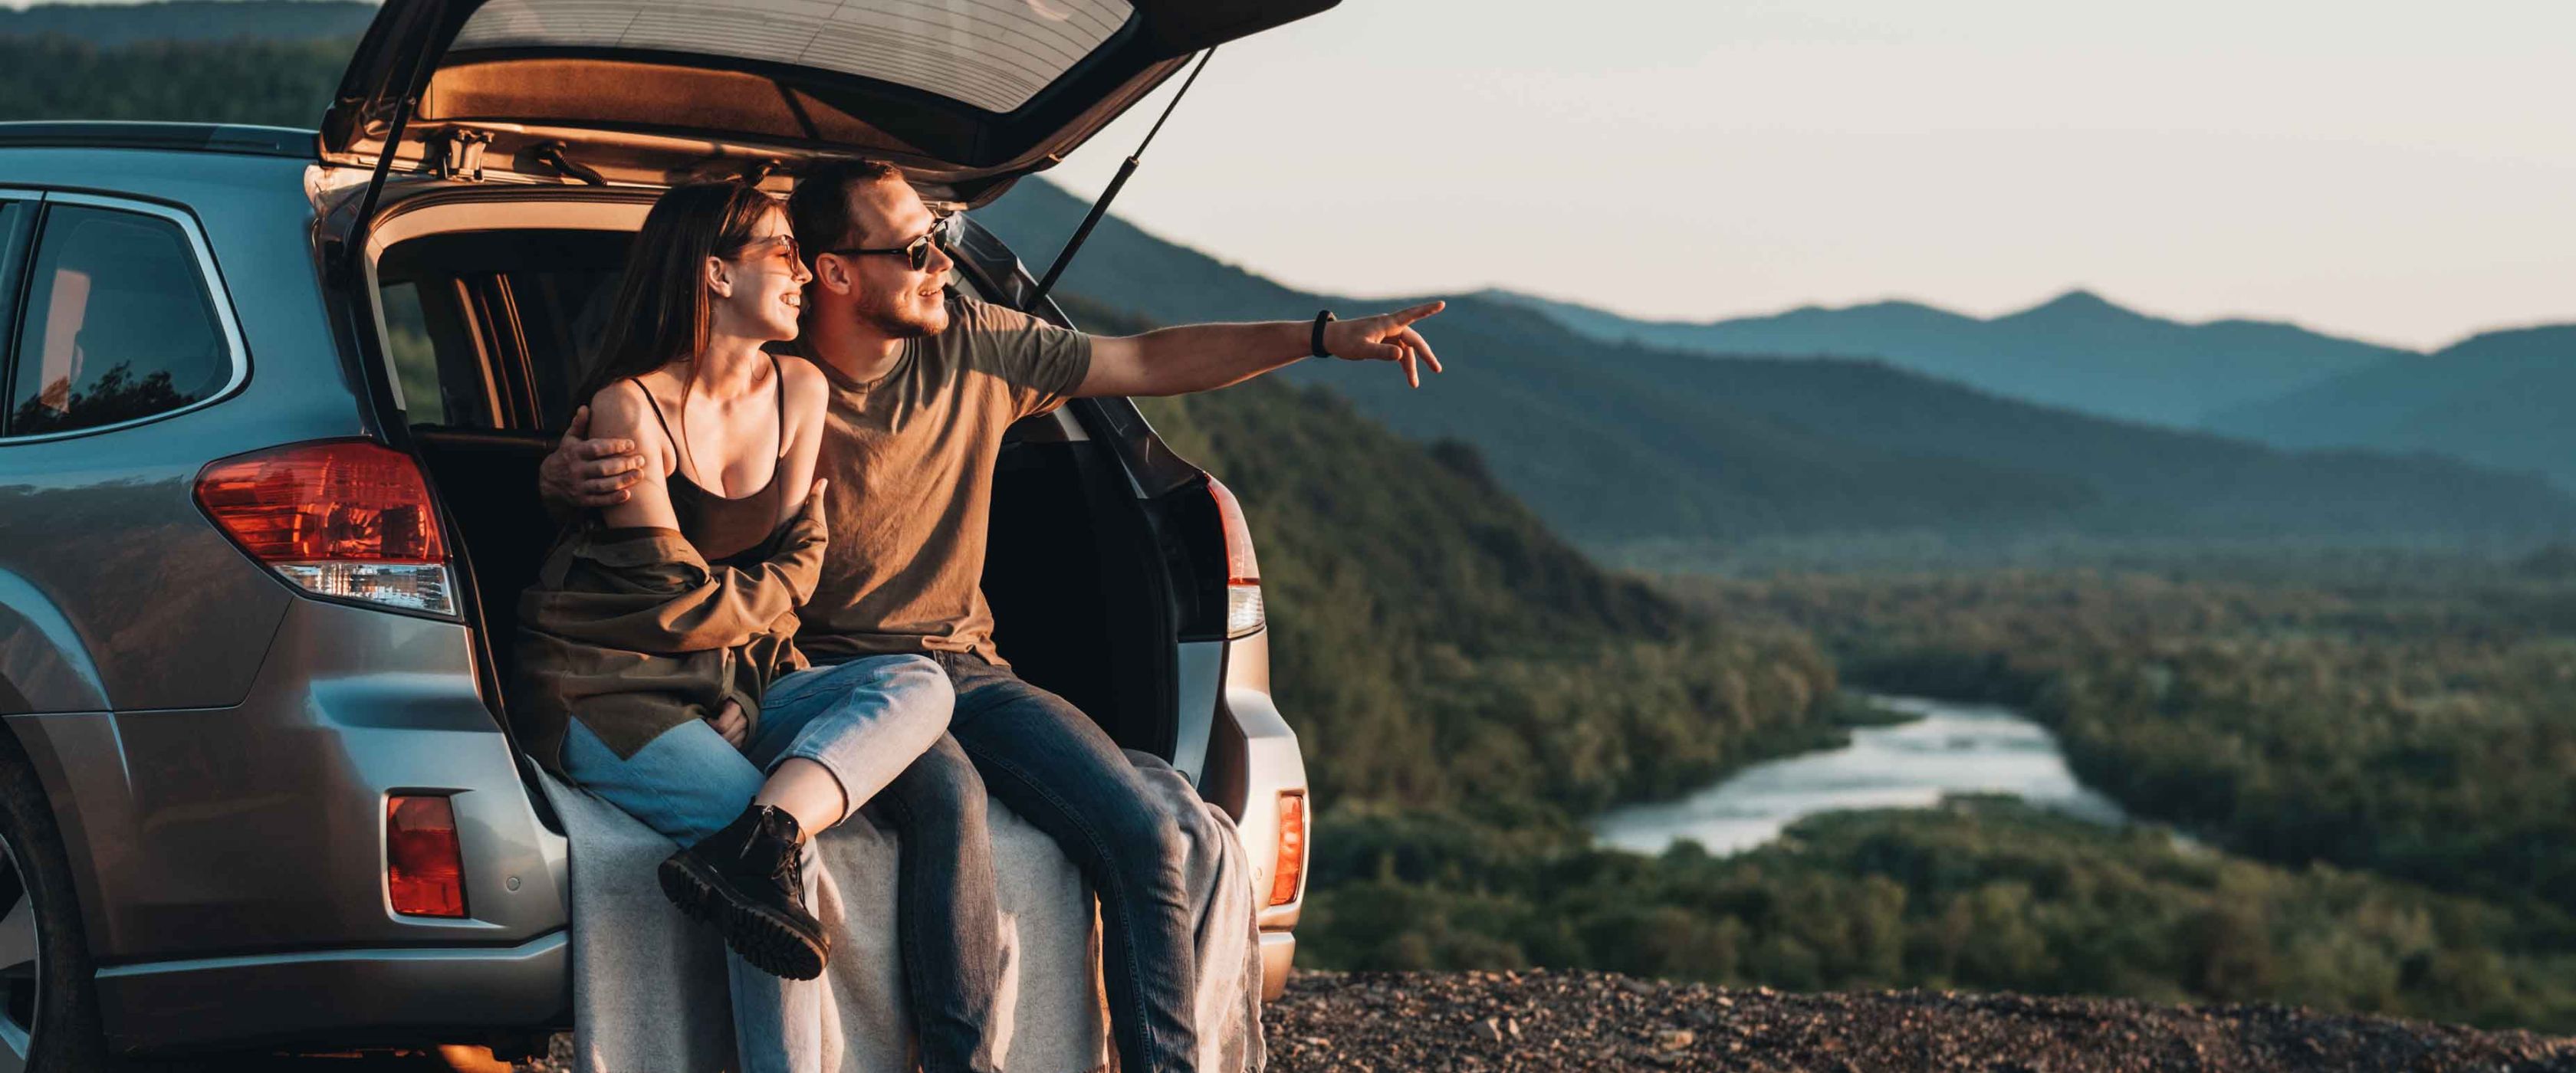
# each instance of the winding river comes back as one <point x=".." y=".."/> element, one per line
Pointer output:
<point x="1952" y="748"/>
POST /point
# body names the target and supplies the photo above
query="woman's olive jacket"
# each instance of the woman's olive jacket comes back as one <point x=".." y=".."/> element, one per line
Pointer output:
<point x="632" y="632"/>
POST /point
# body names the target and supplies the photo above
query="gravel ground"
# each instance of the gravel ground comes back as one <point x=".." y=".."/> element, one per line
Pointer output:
<point x="1540" y="1020"/>
<point x="1599" y="1021"/>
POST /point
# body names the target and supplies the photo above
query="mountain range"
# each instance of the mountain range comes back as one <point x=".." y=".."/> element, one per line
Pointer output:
<point x="2077" y="350"/>
<point x="2499" y="399"/>
<point x="1609" y="442"/>
<point x="1615" y="441"/>
<point x="2490" y="399"/>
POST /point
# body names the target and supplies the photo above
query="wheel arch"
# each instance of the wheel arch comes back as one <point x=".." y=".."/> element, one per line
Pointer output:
<point x="35" y="744"/>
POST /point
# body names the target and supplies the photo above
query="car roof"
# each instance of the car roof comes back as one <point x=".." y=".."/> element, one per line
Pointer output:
<point x="186" y="137"/>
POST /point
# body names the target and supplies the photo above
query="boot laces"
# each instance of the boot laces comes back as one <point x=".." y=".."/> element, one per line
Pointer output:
<point x="787" y="862"/>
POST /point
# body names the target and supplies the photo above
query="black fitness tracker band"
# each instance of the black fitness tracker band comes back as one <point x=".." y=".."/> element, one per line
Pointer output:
<point x="1316" y="348"/>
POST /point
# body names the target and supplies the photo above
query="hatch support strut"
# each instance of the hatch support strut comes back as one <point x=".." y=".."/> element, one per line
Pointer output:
<point x="1101" y="207"/>
<point x="352" y="254"/>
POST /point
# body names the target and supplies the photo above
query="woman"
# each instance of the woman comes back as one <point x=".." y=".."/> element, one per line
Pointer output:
<point x="655" y="667"/>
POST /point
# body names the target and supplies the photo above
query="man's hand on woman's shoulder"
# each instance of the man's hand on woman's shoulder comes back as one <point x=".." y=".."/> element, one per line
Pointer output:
<point x="583" y="472"/>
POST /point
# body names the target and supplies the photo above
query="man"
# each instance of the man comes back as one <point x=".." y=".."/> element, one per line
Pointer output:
<point x="922" y="388"/>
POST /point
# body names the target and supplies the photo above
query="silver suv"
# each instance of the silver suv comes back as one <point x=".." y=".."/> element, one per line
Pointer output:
<point x="274" y="405"/>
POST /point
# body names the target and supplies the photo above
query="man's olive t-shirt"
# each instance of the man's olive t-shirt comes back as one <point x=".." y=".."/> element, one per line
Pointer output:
<point x="910" y="457"/>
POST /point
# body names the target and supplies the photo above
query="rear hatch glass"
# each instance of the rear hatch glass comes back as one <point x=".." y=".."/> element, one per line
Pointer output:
<point x="966" y="94"/>
<point x="994" y="57"/>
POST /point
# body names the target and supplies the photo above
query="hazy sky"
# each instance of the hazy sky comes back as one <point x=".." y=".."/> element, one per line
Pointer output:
<point x="2401" y="171"/>
<point x="2404" y="172"/>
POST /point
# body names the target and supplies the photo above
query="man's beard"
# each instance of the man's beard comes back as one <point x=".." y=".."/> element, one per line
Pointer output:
<point x="897" y="324"/>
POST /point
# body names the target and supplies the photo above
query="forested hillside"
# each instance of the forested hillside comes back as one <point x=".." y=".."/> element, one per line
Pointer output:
<point x="1437" y="647"/>
<point x="280" y="83"/>
<point x="272" y="62"/>
<point x="1467" y="689"/>
<point x="1614" y="443"/>
<point x="192" y="20"/>
<point x="2498" y="399"/>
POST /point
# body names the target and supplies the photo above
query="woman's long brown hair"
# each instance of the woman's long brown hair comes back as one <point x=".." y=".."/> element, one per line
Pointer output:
<point x="663" y="311"/>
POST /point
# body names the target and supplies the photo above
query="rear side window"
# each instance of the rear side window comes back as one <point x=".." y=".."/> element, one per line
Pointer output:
<point x="15" y="218"/>
<point x="117" y="324"/>
<point x="493" y="330"/>
<point x="564" y="310"/>
<point x="415" y="357"/>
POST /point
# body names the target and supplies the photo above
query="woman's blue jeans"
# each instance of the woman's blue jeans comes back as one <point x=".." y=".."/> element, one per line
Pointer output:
<point x="879" y="725"/>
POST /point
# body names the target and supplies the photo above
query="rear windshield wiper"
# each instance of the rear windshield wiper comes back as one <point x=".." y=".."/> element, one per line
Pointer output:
<point x="551" y="154"/>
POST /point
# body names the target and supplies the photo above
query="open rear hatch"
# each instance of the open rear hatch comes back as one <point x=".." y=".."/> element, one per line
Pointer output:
<point x="966" y="95"/>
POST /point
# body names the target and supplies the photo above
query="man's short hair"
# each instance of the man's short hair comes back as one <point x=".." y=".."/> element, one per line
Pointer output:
<point x="819" y="208"/>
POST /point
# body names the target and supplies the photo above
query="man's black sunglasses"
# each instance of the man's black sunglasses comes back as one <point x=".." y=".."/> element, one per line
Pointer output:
<point x="916" y="252"/>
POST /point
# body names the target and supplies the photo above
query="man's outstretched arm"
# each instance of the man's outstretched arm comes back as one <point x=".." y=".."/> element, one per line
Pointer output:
<point x="1198" y="357"/>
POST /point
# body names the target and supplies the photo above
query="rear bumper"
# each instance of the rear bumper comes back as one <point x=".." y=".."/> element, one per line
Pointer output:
<point x="1278" y="950"/>
<point x="1250" y="761"/>
<point x="351" y="996"/>
<point x="230" y="864"/>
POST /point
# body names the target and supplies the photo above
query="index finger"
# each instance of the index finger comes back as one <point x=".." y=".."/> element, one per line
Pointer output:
<point x="1408" y="316"/>
<point x="604" y="448"/>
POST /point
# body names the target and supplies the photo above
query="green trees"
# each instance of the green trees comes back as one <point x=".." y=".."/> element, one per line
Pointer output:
<point x="1439" y="648"/>
<point x="1982" y="894"/>
<point x="1468" y="690"/>
<point x="2424" y="729"/>
<point x="244" y="80"/>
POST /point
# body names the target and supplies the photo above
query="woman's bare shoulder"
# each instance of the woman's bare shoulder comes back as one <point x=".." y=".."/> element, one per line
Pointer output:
<point x="623" y="409"/>
<point x="806" y="390"/>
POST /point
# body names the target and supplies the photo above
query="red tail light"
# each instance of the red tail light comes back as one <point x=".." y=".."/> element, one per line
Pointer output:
<point x="1291" y="868"/>
<point x="1243" y="609"/>
<point x="424" y="867"/>
<point x="342" y="518"/>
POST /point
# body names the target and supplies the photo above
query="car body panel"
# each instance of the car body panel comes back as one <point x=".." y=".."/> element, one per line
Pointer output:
<point x="1201" y="675"/>
<point x="102" y="525"/>
<point x="44" y="664"/>
<point x="259" y="827"/>
<point x="162" y="609"/>
<point x="1249" y="721"/>
<point x="215" y="748"/>
<point x="381" y="994"/>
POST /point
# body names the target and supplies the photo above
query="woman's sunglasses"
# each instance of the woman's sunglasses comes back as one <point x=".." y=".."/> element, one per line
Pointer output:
<point x="916" y="252"/>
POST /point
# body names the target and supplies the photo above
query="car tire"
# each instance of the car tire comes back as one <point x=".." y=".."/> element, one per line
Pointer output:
<point x="48" y="1008"/>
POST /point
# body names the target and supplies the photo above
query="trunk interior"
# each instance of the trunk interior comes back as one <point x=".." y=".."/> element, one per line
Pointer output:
<point x="486" y="332"/>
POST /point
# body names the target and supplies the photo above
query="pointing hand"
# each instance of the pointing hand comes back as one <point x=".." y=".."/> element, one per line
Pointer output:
<point x="1386" y="337"/>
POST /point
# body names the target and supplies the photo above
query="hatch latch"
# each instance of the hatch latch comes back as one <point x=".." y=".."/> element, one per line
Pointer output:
<point x="459" y="153"/>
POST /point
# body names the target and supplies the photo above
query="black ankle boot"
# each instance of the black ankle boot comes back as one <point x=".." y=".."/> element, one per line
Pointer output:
<point x="746" y="880"/>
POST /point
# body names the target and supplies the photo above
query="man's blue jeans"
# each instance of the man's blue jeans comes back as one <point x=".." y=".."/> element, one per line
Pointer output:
<point x="1054" y="767"/>
<point x="877" y="725"/>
